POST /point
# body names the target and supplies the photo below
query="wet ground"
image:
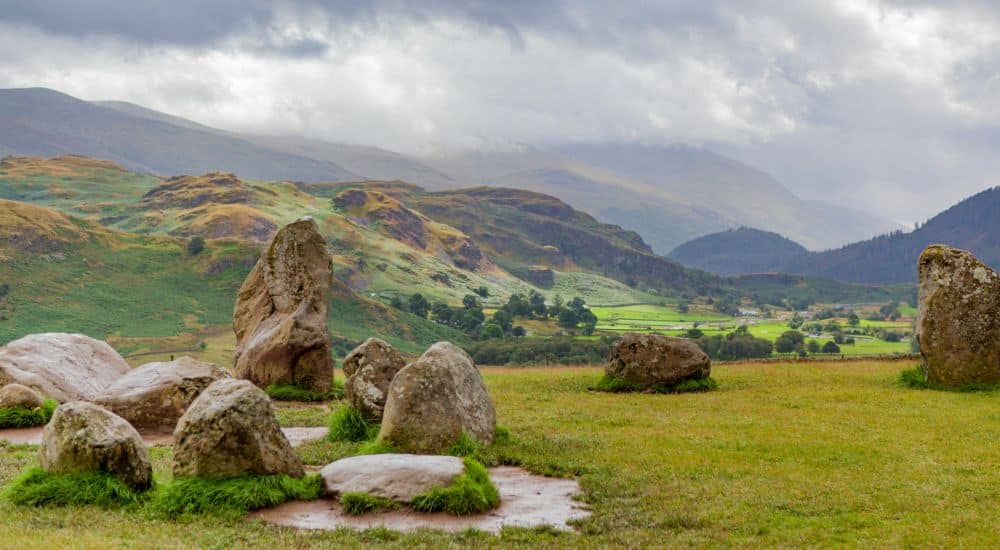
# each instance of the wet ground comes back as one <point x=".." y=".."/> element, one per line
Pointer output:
<point x="33" y="436"/>
<point x="526" y="500"/>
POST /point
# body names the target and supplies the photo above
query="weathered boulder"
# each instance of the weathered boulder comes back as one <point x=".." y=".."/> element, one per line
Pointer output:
<point x="280" y="314"/>
<point x="369" y="369"/>
<point x="65" y="367"/>
<point x="958" y="318"/>
<point x="647" y="360"/>
<point x="433" y="400"/>
<point x="16" y="395"/>
<point x="230" y="430"/>
<point x="83" y="437"/>
<point x="155" y="395"/>
<point x="398" y="477"/>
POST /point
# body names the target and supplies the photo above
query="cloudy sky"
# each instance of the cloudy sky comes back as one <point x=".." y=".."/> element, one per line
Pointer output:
<point x="889" y="105"/>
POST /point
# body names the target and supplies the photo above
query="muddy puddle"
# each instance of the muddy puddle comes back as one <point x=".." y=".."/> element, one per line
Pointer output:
<point x="527" y="500"/>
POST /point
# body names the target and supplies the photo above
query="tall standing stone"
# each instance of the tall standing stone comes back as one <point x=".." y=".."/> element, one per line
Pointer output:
<point x="281" y="309"/>
<point x="958" y="318"/>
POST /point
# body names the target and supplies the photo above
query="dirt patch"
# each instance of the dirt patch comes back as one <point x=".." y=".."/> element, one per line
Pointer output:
<point x="526" y="500"/>
<point x="33" y="436"/>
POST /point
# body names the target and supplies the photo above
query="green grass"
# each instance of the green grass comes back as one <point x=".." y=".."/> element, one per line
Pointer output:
<point x="38" y="488"/>
<point x="288" y="392"/>
<point x="612" y="384"/>
<point x="472" y="493"/>
<point x="348" y="424"/>
<point x="233" y="496"/>
<point x="23" y="417"/>
<point x="916" y="379"/>
<point x="356" y="504"/>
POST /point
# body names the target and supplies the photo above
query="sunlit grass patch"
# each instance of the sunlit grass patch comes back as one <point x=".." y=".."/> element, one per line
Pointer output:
<point x="472" y="493"/>
<point x="23" y="417"/>
<point x="231" y="496"/>
<point x="356" y="504"/>
<point x="348" y="424"/>
<point x="36" y="487"/>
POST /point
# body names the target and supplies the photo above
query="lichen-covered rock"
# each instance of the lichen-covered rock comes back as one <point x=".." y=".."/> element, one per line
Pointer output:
<point x="280" y="314"/>
<point x="16" y="395"/>
<point x="958" y="318"/>
<point x="398" y="477"/>
<point x="369" y="369"/>
<point x="647" y="360"/>
<point x="83" y="437"/>
<point x="65" y="367"/>
<point x="231" y="430"/>
<point x="433" y="400"/>
<point x="155" y="395"/>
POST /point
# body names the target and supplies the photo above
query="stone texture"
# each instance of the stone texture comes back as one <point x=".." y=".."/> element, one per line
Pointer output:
<point x="436" y="398"/>
<point x="281" y="309"/>
<point x="16" y="395"/>
<point x="155" y="395"/>
<point x="65" y="367"/>
<point x="398" y="477"/>
<point x="83" y="437"/>
<point x="649" y="359"/>
<point x="958" y="318"/>
<point x="230" y="430"/>
<point x="369" y="369"/>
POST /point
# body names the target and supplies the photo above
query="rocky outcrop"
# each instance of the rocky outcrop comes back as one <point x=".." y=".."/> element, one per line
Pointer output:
<point x="16" y="395"/>
<point x="398" y="477"/>
<point x="647" y="360"/>
<point x="281" y="312"/>
<point x="155" y="395"/>
<point x="433" y="400"/>
<point x="958" y="318"/>
<point x="230" y="430"/>
<point x="83" y="437"/>
<point x="65" y="367"/>
<point x="369" y="369"/>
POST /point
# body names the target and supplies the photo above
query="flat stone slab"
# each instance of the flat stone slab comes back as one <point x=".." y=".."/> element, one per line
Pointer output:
<point x="526" y="500"/>
<point x="33" y="436"/>
<point x="398" y="477"/>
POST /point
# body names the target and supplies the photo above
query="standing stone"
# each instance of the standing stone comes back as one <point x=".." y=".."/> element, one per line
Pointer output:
<point x="958" y="318"/>
<point x="230" y="430"/>
<point x="280" y="315"/>
<point x="65" y="367"/>
<point x="155" y="395"/>
<point x="369" y="369"/>
<point x="647" y="360"/>
<point x="16" y="395"/>
<point x="433" y="400"/>
<point x="82" y="437"/>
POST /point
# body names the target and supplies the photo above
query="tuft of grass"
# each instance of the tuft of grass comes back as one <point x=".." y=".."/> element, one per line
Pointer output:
<point x="356" y="504"/>
<point x="233" y="495"/>
<point x="612" y="384"/>
<point x="22" y="417"/>
<point x="465" y="446"/>
<point x="288" y="392"/>
<point x="916" y="379"/>
<point x="376" y="448"/>
<point x="36" y="487"/>
<point x="348" y="424"/>
<point x="472" y="493"/>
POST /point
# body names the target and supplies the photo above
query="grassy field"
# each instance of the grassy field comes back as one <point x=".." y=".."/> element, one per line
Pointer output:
<point x="810" y="454"/>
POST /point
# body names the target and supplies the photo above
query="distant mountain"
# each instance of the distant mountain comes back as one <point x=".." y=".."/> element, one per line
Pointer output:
<point x="42" y="122"/>
<point x="973" y="224"/>
<point x="738" y="251"/>
<point x="670" y="195"/>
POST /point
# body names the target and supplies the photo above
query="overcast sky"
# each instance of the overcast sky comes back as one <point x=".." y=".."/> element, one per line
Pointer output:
<point x="889" y="105"/>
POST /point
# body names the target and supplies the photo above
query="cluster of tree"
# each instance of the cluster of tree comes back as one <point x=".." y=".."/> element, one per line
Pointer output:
<point x="469" y="317"/>
<point x="739" y="344"/>
<point x="567" y="315"/>
<point x="888" y="312"/>
<point x="793" y="341"/>
<point x="541" y="351"/>
<point x="196" y="245"/>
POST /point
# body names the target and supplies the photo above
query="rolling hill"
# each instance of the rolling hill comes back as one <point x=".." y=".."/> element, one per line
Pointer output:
<point x="738" y="251"/>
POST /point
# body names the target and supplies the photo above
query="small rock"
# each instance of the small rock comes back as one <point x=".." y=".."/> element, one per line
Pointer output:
<point x="16" y="395"/>
<point x="281" y="312"/>
<point x="433" y="400"/>
<point x="398" y="477"/>
<point x="958" y="318"/>
<point x="647" y="360"/>
<point x="155" y="395"/>
<point x="65" y="367"/>
<point x="83" y="437"/>
<point x="369" y="369"/>
<point x="231" y="430"/>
